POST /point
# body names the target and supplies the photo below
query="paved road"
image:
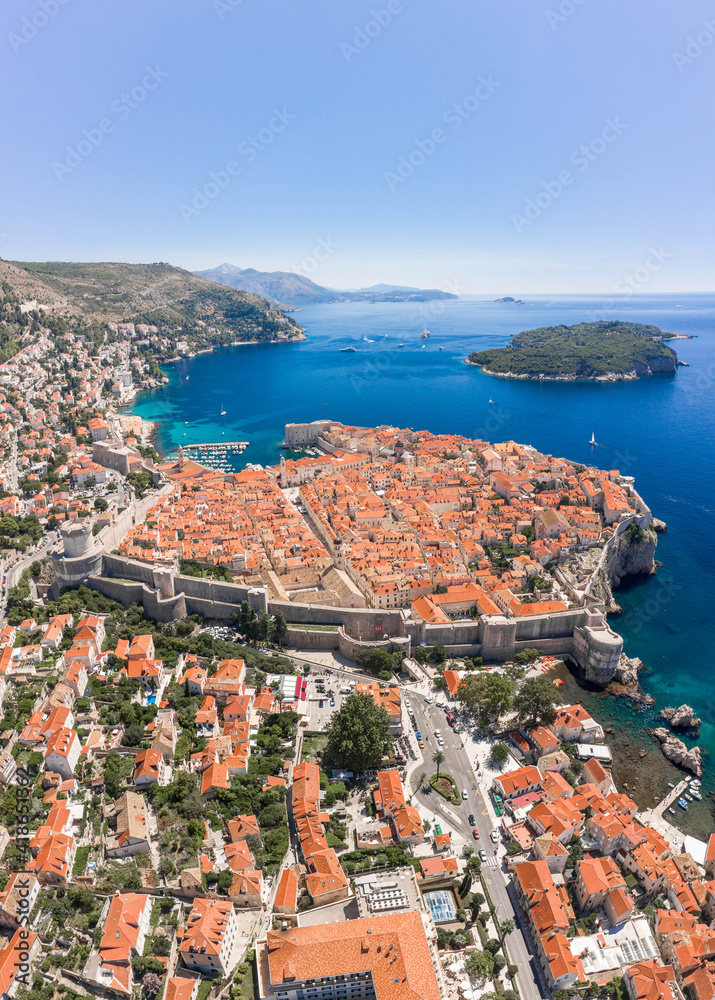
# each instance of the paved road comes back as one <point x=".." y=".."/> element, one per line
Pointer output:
<point x="429" y="718"/>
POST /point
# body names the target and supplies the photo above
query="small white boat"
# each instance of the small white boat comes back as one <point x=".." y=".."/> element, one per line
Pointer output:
<point x="424" y="335"/>
<point x="593" y="439"/>
<point x="223" y="412"/>
<point x="491" y="400"/>
<point x="696" y="795"/>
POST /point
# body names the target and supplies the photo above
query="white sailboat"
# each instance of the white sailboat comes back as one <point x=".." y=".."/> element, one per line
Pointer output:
<point x="592" y="442"/>
<point x="223" y="412"/>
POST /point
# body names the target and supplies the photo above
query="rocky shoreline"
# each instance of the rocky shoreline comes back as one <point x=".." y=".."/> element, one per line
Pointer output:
<point x="631" y="376"/>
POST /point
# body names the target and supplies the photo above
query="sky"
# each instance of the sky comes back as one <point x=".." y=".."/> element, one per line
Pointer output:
<point x="479" y="146"/>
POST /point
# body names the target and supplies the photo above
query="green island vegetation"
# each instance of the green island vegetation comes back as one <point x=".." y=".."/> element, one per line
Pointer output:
<point x="583" y="351"/>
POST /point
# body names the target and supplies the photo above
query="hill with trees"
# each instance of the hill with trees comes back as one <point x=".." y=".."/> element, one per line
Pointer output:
<point x="603" y="351"/>
<point x="182" y="305"/>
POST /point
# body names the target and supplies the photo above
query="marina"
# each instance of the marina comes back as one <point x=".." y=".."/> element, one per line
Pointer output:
<point x="217" y="454"/>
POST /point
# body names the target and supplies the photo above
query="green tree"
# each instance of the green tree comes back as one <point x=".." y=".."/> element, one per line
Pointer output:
<point x="422" y="781"/>
<point x="535" y="702"/>
<point x="359" y="734"/>
<point x="486" y="696"/>
<point x="375" y="661"/>
<point x="499" y="754"/>
<point x="480" y="963"/>
<point x="263" y="626"/>
<point x="527" y="656"/>
<point x="438" y="653"/>
<point x="100" y="504"/>
<point x="438" y="758"/>
<point x="279" y="630"/>
<point x="507" y="927"/>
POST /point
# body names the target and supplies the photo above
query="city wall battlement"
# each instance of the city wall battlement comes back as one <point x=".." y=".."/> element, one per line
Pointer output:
<point x="168" y="596"/>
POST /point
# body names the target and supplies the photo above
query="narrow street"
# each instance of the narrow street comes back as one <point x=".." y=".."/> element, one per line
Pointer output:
<point x="429" y="718"/>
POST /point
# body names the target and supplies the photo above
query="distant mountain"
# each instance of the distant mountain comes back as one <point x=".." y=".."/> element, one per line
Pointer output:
<point x="294" y="290"/>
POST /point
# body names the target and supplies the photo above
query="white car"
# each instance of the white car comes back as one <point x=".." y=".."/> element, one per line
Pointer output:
<point x="464" y="794"/>
<point x="494" y="836"/>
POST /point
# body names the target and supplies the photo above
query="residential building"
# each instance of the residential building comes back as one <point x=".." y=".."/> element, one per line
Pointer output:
<point x="387" y="957"/>
<point x="207" y="945"/>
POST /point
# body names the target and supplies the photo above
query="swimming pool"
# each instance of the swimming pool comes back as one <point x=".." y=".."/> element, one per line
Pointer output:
<point x="151" y="700"/>
<point x="441" y="904"/>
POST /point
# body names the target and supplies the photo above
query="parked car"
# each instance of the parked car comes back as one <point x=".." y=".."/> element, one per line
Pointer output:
<point x="320" y="703"/>
<point x="495" y="836"/>
<point x="471" y="819"/>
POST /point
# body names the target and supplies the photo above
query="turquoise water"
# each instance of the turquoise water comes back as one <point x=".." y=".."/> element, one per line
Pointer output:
<point x="660" y="430"/>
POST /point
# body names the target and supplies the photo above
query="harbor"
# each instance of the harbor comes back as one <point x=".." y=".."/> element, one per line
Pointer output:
<point x="217" y="454"/>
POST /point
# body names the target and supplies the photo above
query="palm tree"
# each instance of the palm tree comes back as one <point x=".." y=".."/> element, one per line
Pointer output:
<point x="278" y="696"/>
<point x="507" y="926"/>
<point x="422" y="781"/>
<point x="438" y="758"/>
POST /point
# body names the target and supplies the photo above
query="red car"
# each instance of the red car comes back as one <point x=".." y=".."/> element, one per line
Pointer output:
<point x="475" y="833"/>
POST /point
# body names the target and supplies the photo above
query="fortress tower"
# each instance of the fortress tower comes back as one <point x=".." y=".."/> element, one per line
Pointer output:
<point x="81" y="556"/>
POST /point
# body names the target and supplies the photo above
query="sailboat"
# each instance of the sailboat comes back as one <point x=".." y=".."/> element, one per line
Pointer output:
<point x="592" y="442"/>
<point x="491" y="400"/>
<point x="223" y="412"/>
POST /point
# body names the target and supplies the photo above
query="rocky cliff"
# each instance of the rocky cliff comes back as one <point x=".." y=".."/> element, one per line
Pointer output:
<point x="631" y="554"/>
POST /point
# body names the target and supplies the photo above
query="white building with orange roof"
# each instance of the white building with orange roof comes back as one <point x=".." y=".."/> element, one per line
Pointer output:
<point x="195" y="677"/>
<point x="595" y="877"/>
<point x="208" y="942"/>
<point x="326" y="881"/>
<point x="62" y="752"/>
<point x="123" y="937"/>
<point x="75" y="677"/>
<point x="573" y="724"/>
<point x="149" y="768"/>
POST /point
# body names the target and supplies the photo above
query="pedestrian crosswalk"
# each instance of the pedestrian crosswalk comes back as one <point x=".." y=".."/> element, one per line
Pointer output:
<point x="491" y="862"/>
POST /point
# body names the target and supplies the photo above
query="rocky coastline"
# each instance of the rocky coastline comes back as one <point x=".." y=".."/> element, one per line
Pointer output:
<point x="630" y="376"/>
<point x="628" y="555"/>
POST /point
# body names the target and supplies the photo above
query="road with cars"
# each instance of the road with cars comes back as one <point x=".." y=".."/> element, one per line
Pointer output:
<point x="430" y="716"/>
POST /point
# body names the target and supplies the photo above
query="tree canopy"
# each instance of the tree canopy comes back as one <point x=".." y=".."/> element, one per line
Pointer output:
<point x="359" y="734"/>
<point x="536" y="702"/>
<point x="486" y="696"/>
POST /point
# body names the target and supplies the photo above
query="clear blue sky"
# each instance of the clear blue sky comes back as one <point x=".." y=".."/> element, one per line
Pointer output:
<point x="337" y="110"/>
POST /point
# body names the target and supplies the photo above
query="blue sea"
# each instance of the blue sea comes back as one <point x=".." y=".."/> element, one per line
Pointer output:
<point x="661" y="430"/>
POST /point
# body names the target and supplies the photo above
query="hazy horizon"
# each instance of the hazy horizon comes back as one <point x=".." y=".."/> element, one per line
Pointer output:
<point x="480" y="150"/>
